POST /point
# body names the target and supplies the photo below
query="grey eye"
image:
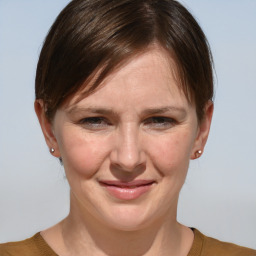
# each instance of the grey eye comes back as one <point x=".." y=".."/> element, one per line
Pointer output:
<point x="159" y="121"/>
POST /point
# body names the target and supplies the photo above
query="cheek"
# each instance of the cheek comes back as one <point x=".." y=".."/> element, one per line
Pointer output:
<point x="82" y="154"/>
<point x="171" y="154"/>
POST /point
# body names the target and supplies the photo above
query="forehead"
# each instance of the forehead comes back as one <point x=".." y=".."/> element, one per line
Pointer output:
<point x="152" y="73"/>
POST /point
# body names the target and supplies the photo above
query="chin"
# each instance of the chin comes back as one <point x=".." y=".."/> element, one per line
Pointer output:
<point x="129" y="217"/>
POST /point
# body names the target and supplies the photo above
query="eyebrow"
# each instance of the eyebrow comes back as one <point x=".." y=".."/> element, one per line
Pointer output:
<point x="109" y="111"/>
<point x="95" y="110"/>
<point x="163" y="110"/>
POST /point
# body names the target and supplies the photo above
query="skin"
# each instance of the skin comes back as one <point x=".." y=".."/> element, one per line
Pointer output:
<point x="137" y="126"/>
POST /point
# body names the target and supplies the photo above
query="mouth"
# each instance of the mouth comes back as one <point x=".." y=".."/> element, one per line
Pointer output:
<point x="127" y="190"/>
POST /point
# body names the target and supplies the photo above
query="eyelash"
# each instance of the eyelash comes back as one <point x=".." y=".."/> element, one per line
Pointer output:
<point x="160" y="122"/>
<point x="155" y="122"/>
<point x="95" y="122"/>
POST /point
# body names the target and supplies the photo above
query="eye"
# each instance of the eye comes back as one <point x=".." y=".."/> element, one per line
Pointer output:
<point x="159" y="122"/>
<point x="94" y="122"/>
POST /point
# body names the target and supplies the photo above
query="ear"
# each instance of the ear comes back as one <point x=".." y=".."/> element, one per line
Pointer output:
<point x="47" y="127"/>
<point x="203" y="131"/>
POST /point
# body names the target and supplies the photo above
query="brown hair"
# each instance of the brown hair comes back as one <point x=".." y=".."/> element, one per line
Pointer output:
<point x="96" y="36"/>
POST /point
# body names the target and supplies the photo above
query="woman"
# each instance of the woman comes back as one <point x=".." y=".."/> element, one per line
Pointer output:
<point x="124" y="99"/>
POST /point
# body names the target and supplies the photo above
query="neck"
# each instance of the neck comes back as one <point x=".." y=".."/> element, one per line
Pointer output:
<point x="86" y="235"/>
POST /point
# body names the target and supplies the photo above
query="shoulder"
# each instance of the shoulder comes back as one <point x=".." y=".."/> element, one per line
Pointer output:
<point x="211" y="247"/>
<point x="29" y="247"/>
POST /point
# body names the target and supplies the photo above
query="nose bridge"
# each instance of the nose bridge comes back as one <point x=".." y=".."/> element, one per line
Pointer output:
<point x="128" y="153"/>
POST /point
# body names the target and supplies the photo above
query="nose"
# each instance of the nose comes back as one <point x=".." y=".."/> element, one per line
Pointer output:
<point x="127" y="154"/>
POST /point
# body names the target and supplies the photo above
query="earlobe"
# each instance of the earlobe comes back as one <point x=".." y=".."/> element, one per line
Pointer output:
<point x="203" y="131"/>
<point x="46" y="126"/>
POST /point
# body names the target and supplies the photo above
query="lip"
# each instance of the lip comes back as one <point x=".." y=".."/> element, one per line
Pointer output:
<point x="127" y="190"/>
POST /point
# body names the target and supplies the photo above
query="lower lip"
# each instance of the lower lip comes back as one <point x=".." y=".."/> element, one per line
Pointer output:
<point x="127" y="193"/>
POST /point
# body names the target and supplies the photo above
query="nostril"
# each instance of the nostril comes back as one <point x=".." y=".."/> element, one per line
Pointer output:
<point x="129" y="168"/>
<point x="121" y="173"/>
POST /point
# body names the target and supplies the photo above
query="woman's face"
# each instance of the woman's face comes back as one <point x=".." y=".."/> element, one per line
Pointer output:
<point x="126" y="148"/>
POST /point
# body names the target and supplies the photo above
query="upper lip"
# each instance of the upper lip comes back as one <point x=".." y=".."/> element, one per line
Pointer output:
<point x="134" y="183"/>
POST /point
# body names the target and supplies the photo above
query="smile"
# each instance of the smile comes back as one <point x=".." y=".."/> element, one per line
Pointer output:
<point x="127" y="190"/>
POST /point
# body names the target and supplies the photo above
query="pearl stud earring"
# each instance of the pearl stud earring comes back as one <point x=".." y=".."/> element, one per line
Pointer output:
<point x="198" y="153"/>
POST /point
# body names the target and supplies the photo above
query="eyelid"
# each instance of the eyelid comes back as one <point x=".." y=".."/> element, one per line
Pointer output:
<point x="103" y="123"/>
<point x="160" y="122"/>
<point x="165" y="118"/>
<point x="91" y="118"/>
<point x="94" y="122"/>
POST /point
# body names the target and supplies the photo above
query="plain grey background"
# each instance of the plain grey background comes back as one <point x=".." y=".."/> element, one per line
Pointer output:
<point x="219" y="196"/>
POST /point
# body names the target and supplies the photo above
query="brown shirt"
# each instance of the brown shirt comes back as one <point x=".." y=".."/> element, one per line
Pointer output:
<point x="202" y="246"/>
